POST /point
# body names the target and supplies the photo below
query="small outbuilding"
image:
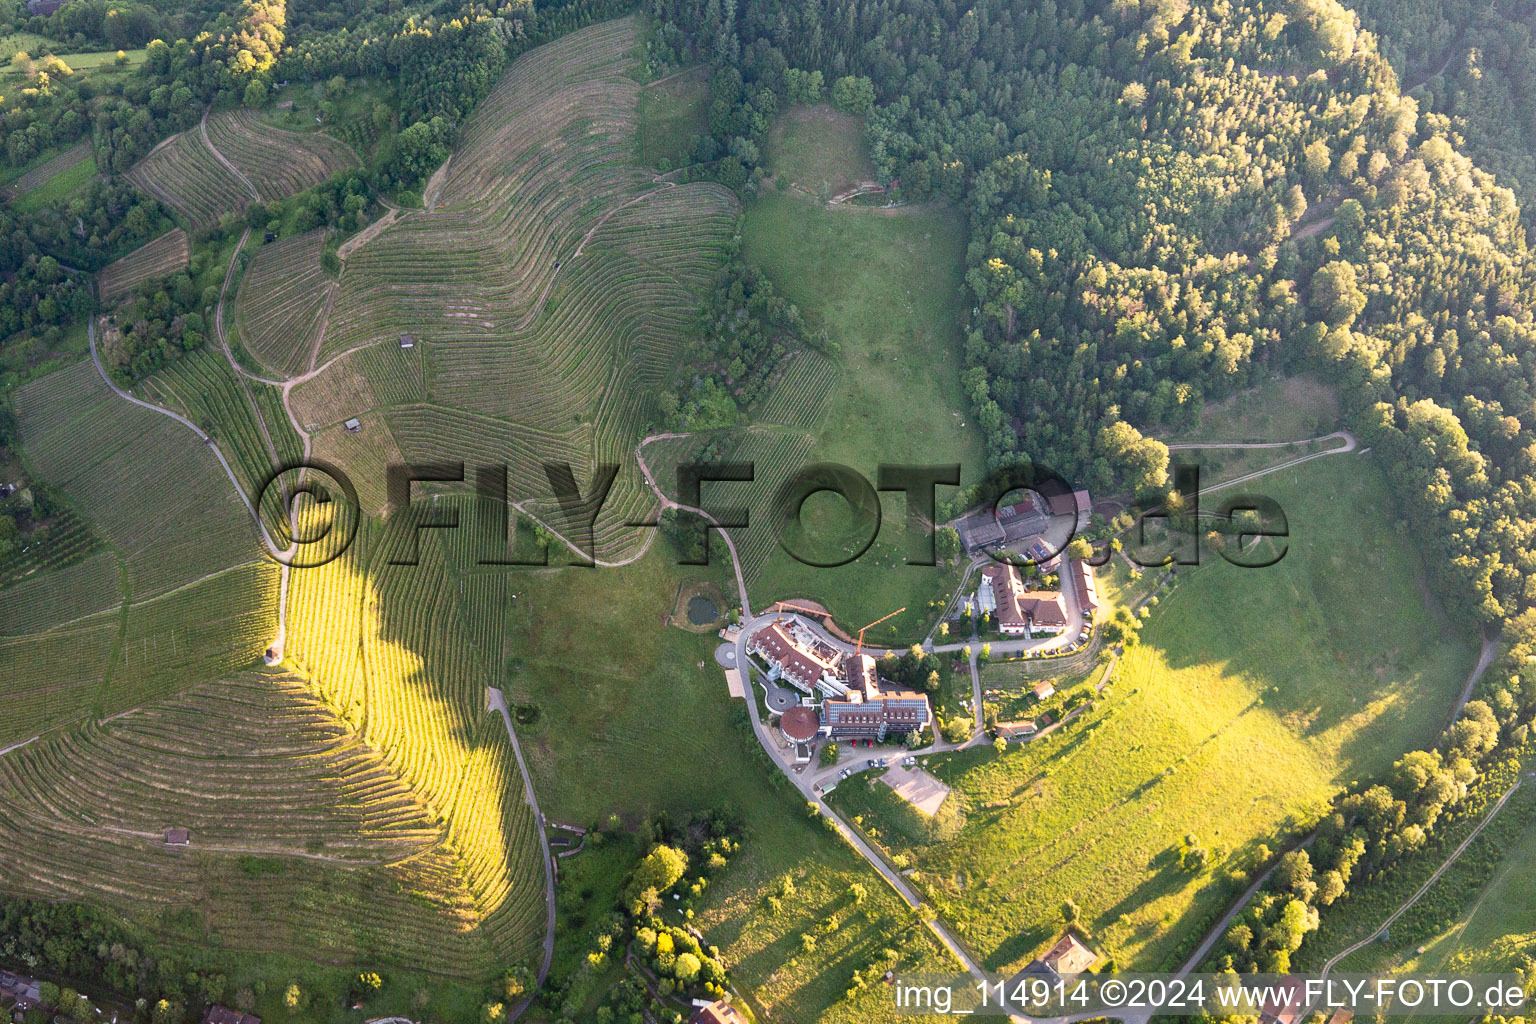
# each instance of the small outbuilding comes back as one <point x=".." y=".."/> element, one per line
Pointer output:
<point x="1017" y="732"/>
<point x="354" y="425"/>
<point x="407" y="341"/>
<point x="717" y="1012"/>
<point x="177" y="837"/>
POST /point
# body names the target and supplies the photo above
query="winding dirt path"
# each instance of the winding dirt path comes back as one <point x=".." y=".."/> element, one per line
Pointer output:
<point x="202" y="126"/>
<point x="496" y="701"/>
<point x="1333" y="961"/>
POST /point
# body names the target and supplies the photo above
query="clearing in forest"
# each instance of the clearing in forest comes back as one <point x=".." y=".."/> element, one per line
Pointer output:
<point x="673" y="111"/>
<point x="40" y="174"/>
<point x="886" y="288"/>
<point x="818" y="151"/>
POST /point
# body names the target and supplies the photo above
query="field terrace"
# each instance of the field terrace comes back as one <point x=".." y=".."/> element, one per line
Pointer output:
<point x="186" y="173"/>
<point x="543" y="175"/>
<point x="155" y="259"/>
<point x="404" y="653"/>
<point x="290" y="814"/>
<point x="279" y="163"/>
<point x="283" y="302"/>
<point x="139" y="478"/>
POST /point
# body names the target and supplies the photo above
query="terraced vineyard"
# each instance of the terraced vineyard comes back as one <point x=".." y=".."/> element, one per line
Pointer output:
<point x="281" y="307"/>
<point x="143" y="481"/>
<point x="369" y="776"/>
<point x="53" y="678"/>
<point x="547" y="255"/>
<point x="159" y="258"/>
<point x="255" y="435"/>
<point x="48" y="169"/>
<point x="291" y="816"/>
<point x="390" y="649"/>
<point x="279" y="163"/>
<point x="774" y="453"/>
<point x="68" y="541"/>
<point x="216" y="626"/>
<point x="800" y="396"/>
<point x="72" y="592"/>
<point x="189" y="173"/>
<point x="184" y="174"/>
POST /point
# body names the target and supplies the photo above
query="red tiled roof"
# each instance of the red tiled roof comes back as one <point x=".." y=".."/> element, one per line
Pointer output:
<point x="1288" y="1006"/>
<point x="1069" y="956"/>
<point x="1043" y="607"/>
<point x="1017" y="606"/>
<point x="1085" y="586"/>
<point x="718" y="1012"/>
<point x="800" y="723"/>
<point x="798" y="665"/>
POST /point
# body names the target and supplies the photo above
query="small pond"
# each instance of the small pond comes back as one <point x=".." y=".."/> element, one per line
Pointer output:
<point x="701" y="610"/>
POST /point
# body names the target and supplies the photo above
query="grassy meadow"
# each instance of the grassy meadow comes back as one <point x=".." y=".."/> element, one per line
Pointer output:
<point x="672" y="111"/>
<point x="886" y="287"/>
<point x="818" y="150"/>
<point x="1499" y="926"/>
<point x="61" y="185"/>
<point x="1254" y="697"/>
<point x="635" y="719"/>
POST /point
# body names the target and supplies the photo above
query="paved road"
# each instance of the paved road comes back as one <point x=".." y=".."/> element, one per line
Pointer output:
<point x="807" y="787"/>
<point x="497" y="702"/>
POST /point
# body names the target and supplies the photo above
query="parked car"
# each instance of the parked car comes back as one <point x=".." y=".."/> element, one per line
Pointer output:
<point x="909" y="762"/>
<point x="882" y="762"/>
<point x="843" y="774"/>
<point x="870" y="763"/>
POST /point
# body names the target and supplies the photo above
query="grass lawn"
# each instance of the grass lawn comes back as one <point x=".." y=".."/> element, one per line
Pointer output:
<point x="96" y="63"/>
<point x="1254" y="697"/>
<point x="22" y="42"/>
<point x="672" y="111"/>
<point x="1286" y="409"/>
<point x="61" y="186"/>
<point x="635" y="720"/>
<point x="1290" y="409"/>
<point x="819" y="150"/>
<point x="887" y="289"/>
<point x="342" y="110"/>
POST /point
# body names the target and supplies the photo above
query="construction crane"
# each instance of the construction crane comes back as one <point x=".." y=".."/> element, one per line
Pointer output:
<point x="780" y="606"/>
<point x="860" y="648"/>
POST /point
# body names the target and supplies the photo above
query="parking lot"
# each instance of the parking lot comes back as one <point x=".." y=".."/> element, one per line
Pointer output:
<point x="917" y="787"/>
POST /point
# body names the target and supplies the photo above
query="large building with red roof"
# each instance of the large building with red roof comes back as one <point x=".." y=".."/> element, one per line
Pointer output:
<point x="857" y="704"/>
<point x="1018" y="611"/>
